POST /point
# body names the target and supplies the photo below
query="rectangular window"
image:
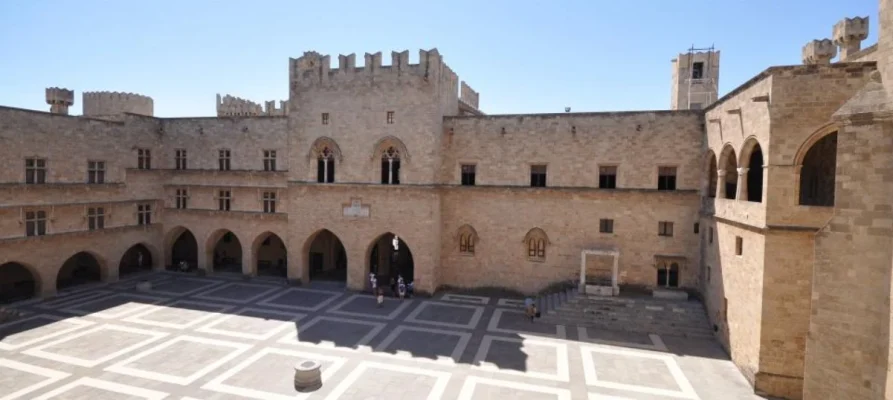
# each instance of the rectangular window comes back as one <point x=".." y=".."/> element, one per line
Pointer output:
<point x="390" y="117"/>
<point x="666" y="178"/>
<point x="95" y="171"/>
<point x="710" y="235"/>
<point x="95" y="218"/>
<point x="606" y="225"/>
<point x="35" y="170"/>
<point x="182" y="199"/>
<point x="270" y="202"/>
<point x="538" y="176"/>
<point x="325" y="118"/>
<point x="697" y="227"/>
<point x="224" y="200"/>
<point x="269" y="160"/>
<point x="468" y="174"/>
<point x="697" y="70"/>
<point x="144" y="214"/>
<point x="224" y="159"/>
<point x="665" y="228"/>
<point x="180" y="158"/>
<point x="325" y="170"/>
<point x="35" y="223"/>
<point x="607" y="177"/>
<point x="739" y="246"/>
<point x="143" y="159"/>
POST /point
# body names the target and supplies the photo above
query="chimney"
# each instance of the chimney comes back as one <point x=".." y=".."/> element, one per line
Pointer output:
<point x="59" y="100"/>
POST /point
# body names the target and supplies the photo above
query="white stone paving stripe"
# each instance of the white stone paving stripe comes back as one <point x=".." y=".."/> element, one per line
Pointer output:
<point x="288" y="319"/>
<point x="78" y="324"/>
<point x="52" y="376"/>
<point x="562" y="358"/>
<point x="82" y="362"/>
<point x="435" y="394"/>
<point x="471" y="383"/>
<point x="106" y="385"/>
<point x="686" y="390"/>
<point x="472" y="324"/>
<point x="453" y="359"/>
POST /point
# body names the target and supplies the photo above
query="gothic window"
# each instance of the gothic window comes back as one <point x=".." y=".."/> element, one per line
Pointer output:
<point x="390" y="117"/>
<point x="390" y="166"/>
<point x="270" y="202"/>
<point x="536" y="242"/>
<point x="224" y="200"/>
<point x="325" y="118"/>
<point x="144" y="214"/>
<point x="467" y="240"/>
<point x="325" y="166"/>
<point x="730" y="181"/>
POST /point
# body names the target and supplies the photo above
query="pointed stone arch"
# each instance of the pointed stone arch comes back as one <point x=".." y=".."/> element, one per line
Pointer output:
<point x="751" y="163"/>
<point x="383" y="144"/>
<point x="320" y="144"/>
<point x="19" y="281"/>
<point x="710" y="173"/>
<point x="816" y="168"/>
<point x="728" y="178"/>
<point x="269" y="255"/>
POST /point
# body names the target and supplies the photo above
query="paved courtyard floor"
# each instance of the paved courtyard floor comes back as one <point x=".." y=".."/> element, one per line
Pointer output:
<point x="227" y="338"/>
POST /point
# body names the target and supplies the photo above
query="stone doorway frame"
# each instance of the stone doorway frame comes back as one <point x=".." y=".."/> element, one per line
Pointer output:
<point x="614" y="289"/>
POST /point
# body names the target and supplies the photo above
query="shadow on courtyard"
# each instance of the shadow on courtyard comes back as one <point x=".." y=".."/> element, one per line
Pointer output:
<point x="489" y="336"/>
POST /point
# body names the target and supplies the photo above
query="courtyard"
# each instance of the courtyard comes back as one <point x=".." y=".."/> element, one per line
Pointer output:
<point x="224" y="337"/>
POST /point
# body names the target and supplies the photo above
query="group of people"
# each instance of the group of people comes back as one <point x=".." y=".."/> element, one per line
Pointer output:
<point x="399" y="288"/>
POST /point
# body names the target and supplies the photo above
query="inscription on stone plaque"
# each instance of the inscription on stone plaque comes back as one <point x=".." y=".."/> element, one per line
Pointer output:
<point x="356" y="209"/>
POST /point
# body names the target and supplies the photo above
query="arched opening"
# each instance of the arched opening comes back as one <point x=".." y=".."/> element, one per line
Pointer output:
<point x="16" y="283"/>
<point x="271" y="255"/>
<point x="390" y="166"/>
<point x="388" y="263"/>
<point x="79" y="269"/>
<point x="184" y="249"/>
<point x="730" y="180"/>
<point x="668" y="275"/>
<point x="327" y="259"/>
<point x="226" y="255"/>
<point x="136" y="259"/>
<point x="817" y="173"/>
<point x="712" y="176"/>
<point x="755" y="175"/>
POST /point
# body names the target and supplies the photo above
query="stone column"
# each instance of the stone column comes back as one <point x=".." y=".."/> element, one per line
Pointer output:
<point x="720" y="184"/>
<point x="742" y="184"/>
<point x="249" y="266"/>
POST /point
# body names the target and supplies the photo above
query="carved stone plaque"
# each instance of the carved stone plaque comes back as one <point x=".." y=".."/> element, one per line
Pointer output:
<point x="356" y="209"/>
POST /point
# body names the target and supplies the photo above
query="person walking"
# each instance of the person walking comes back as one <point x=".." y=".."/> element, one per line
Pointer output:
<point x="530" y="308"/>
<point x="380" y="297"/>
<point x="373" y="281"/>
<point x="401" y="287"/>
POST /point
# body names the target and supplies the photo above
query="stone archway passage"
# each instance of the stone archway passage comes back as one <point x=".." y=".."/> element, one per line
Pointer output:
<point x="272" y="257"/>
<point x="16" y="283"/>
<point x="818" y="173"/>
<point x="388" y="264"/>
<point x="227" y="254"/>
<point x="138" y="258"/>
<point x="79" y="269"/>
<point x="327" y="259"/>
<point x="185" y="248"/>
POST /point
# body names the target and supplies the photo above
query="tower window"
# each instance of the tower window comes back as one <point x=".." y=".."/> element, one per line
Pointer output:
<point x="697" y="70"/>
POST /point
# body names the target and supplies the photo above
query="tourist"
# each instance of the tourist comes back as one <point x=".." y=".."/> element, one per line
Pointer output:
<point x="401" y="287"/>
<point x="380" y="298"/>
<point x="374" y="282"/>
<point x="530" y="308"/>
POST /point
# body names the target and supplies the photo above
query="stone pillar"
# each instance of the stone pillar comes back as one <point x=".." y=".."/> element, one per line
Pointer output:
<point x="741" y="193"/>
<point x="720" y="184"/>
<point x="849" y="34"/>
<point x="847" y="349"/>
<point x="249" y="265"/>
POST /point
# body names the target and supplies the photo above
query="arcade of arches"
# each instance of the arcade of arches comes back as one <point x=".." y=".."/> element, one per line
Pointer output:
<point x="271" y="255"/>
<point x="226" y="255"/>
<point x="184" y="249"/>
<point x="16" y="283"/>
<point x="79" y="269"/>
<point x="386" y="263"/>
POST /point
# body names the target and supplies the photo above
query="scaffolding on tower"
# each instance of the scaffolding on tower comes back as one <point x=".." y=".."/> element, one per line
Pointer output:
<point x="703" y="85"/>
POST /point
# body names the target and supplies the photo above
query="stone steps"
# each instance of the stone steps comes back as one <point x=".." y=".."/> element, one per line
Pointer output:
<point x="645" y="315"/>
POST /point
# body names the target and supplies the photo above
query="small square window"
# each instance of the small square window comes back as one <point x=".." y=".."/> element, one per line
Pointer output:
<point x="607" y="177"/>
<point x="606" y="225"/>
<point x="325" y="118"/>
<point x="468" y="174"/>
<point x="739" y="246"/>
<point x="697" y="70"/>
<point x="666" y="178"/>
<point x="538" y="176"/>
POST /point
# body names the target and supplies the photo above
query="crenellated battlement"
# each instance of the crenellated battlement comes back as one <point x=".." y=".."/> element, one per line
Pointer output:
<point x="231" y="106"/>
<point x="313" y="69"/>
<point x="113" y="103"/>
<point x="59" y="100"/>
<point x="819" y="51"/>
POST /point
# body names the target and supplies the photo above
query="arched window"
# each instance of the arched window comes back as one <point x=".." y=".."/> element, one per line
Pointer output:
<point x="668" y="275"/>
<point x="711" y="176"/>
<point x="390" y="166"/>
<point x="325" y="166"/>
<point x="730" y="167"/>
<point x="817" y="173"/>
<point x="536" y="241"/>
<point x="466" y="243"/>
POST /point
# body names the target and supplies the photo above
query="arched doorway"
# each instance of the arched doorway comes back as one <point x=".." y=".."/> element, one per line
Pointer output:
<point x="270" y="255"/>
<point x="16" y="283"/>
<point x="668" y="275"/>
<point x="387" y="264"/>
<point x="79" y="269"/>
<point x="818" y="171"/>
<point x="327" y="259"/>
<point x="184" y="248"/>
<point x="226" y="255"/>
<point x="137" y="258"/>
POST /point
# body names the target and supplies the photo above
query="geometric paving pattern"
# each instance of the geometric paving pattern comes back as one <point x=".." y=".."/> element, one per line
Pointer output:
<point x="220" y="337"/>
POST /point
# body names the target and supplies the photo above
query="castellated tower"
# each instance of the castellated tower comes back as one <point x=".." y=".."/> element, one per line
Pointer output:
<point x="59" y="100"/>
<point x="100" y="104"/>
<point x="695" y="83"/>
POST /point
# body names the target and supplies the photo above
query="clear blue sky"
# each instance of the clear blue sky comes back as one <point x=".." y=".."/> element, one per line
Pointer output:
<point x="522" y="56"/>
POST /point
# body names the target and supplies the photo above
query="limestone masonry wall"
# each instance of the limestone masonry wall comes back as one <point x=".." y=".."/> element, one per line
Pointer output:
<point x="111" y="103"/>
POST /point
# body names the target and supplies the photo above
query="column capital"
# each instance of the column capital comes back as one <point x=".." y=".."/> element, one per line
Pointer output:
<point x="742" y="171"/>
<point x="721" y="172"/>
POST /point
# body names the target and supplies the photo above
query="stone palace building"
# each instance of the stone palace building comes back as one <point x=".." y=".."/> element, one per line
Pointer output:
<point x="773" y="203"/>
